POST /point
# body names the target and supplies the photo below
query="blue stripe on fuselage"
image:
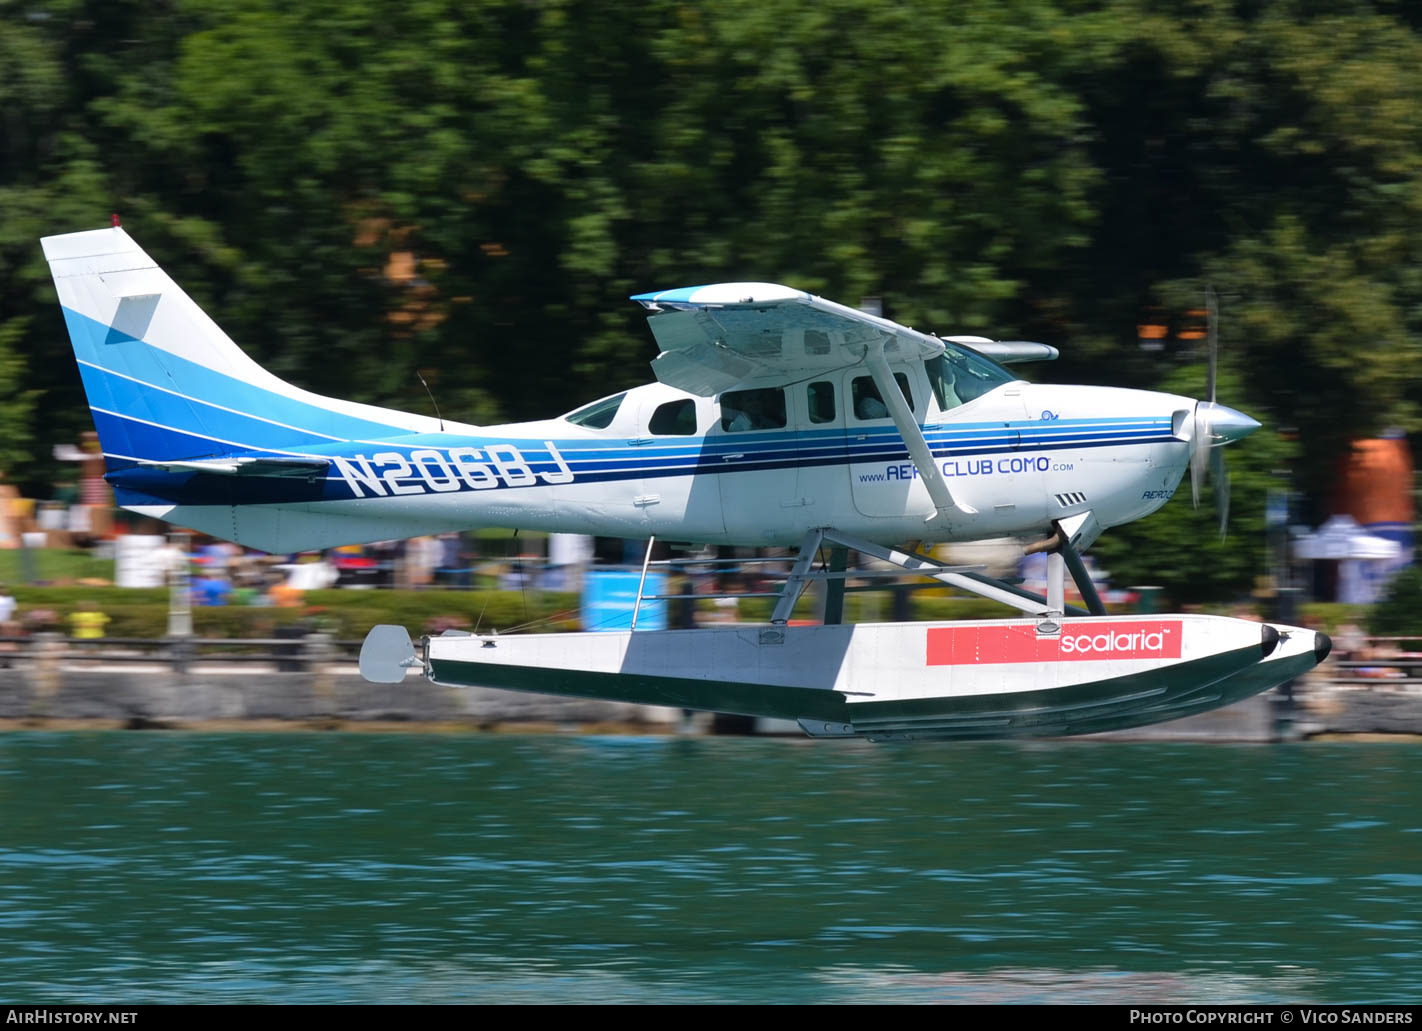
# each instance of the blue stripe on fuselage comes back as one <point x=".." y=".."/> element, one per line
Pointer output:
<point x="588" y="461"/>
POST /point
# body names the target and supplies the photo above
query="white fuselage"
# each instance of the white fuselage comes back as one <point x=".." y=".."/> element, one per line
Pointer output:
<point x="1020" y="457"/>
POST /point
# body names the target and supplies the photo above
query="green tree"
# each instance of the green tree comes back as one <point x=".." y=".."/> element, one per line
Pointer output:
<point x="358" y="191"/>
<point x="1399" y="611"/>
<point x="16" y="403"/>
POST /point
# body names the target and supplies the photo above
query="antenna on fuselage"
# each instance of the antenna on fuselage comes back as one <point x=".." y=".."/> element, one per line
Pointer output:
<point x="432" y="400"/>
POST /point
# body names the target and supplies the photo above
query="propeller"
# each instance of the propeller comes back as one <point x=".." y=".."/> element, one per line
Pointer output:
<point x="1213" y="426"/>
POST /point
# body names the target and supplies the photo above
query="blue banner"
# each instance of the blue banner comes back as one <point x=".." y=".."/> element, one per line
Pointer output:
<point x="609" y="596"/>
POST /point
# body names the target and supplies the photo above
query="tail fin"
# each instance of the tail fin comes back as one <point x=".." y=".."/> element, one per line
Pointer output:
<point x="165" y="383"/>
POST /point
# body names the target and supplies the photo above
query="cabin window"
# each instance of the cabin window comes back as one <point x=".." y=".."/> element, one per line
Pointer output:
<point x="743" y="410"/>
<point x="674" y="419"/>
<point x="959" y="376"/>
<point x="598" y="415"/>
<point x="820" y="397"/>
<point x="869" y="403"/>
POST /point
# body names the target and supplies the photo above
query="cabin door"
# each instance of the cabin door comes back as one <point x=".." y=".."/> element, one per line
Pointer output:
<point x="754" y="445"/>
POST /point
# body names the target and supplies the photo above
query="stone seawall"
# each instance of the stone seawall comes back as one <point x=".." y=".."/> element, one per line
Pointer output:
<point x="159" y="696"/>
<point x="1354" y="709"/>
<point x="60" y="692"/>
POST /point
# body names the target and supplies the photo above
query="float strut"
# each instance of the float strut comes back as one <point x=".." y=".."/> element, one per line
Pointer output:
<point x="642" y="583"/>
<point x="798" y="580"/>
<point x="834" y="586"/>
<point x="1072" y="559"/>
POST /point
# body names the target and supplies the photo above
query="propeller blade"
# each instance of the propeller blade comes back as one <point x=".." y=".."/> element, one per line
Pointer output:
<point x="1220" y="472"/>
<point x="1212" y="337"/>
<point x="1200" y="450"/>
<point x="1214" y="425"/>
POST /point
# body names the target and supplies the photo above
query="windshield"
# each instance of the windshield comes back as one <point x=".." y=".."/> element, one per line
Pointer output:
<point x="959" y="376"/>
<point x="598" y="415"/>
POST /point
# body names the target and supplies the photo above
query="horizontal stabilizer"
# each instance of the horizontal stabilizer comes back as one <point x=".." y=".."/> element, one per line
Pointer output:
<point x="245" y="465"/>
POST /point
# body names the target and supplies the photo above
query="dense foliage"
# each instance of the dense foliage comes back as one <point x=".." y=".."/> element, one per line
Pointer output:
<point x="1400" y="609"/>
<point x="361" y="190"/>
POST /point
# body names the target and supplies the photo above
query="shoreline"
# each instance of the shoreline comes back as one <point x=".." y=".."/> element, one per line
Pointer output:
<point x="549" y="728"/>
<point x="327" y="726"/>
<point x="333" y="698"/>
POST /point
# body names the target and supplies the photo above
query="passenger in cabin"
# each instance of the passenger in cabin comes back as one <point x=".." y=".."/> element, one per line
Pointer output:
<point x="735" y="420"/>
<point x="761" y="409"/>
<point x="868" y="402"/>
<point x="871" y="408"/>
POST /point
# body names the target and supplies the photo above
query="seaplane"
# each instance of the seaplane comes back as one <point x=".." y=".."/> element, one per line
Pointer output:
<point x="777" y="419"/>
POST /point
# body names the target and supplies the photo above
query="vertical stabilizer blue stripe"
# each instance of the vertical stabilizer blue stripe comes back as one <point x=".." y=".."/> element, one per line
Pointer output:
<point x="106" y="350"/>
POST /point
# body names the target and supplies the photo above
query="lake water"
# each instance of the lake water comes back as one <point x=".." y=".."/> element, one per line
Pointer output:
<point x="308" y="867"/>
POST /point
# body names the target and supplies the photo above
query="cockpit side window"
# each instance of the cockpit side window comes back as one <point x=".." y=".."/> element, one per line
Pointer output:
<point x="819" y="396"/>
<point x="674" y="419"/>
<point x="762" y="409"/>
<point x="598" y="415"/>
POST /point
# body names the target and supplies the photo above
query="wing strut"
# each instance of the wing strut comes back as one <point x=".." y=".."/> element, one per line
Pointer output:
<point x="908" y="428"/>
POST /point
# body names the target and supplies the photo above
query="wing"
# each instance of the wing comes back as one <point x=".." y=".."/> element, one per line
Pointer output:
<point x="1008" y="352"/>
<point x="715" y="337"/>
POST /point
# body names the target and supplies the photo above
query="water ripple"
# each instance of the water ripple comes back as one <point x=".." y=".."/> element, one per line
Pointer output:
<point x="373" y="868"/>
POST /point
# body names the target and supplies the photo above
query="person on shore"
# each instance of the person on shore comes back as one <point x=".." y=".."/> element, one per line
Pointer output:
<point x="212" y="589"/>
<point x="10" y="645"/>
<point x="283" y="595"/>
